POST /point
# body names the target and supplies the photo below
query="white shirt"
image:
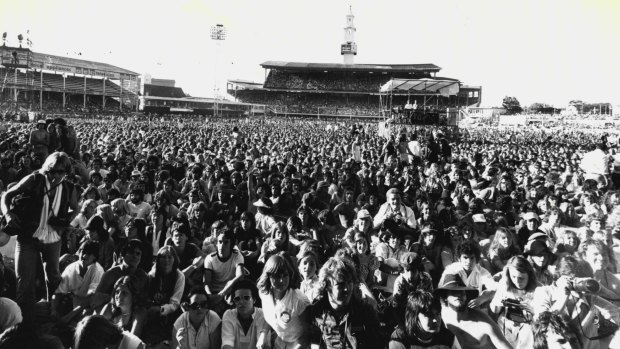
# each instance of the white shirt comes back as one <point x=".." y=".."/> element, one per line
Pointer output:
<point x="477" y="278"/>
<point x="596" y="162"/>
<point x="189" y="338"/>
<point x="406" y="212"/>
<point x="414" y="147"/>
<point x="223" y="271"/>
<point x="284" y="315"/>
<point x="232" y="331"/>
<point x="72" y="282"/>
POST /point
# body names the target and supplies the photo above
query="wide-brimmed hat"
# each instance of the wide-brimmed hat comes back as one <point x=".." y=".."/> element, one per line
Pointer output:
<point x="363" y="214"/>
<point x="95" y="223"/>
<point x="264" y="202"/>
<point x="454" y="282"/>
<point x="540" y="248"/>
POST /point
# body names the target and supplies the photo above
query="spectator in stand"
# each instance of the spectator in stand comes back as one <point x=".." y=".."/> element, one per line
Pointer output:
<point x="197" y="327"/>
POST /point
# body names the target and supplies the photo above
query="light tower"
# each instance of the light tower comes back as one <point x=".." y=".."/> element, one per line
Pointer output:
<point x="218" y="34"/>
<point x="349" y="49"/>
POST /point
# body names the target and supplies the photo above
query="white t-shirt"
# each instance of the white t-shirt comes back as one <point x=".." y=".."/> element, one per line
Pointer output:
<point x="284" y="315"/>
<point x="223" y="271"/>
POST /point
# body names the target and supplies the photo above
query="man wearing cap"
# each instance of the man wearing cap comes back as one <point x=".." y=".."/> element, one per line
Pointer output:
<point x="473" y="328"/>
<point x="395" y="210"/>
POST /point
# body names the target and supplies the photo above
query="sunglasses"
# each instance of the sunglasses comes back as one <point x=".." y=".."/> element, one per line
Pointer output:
<point x="196" y="305"/>
<point x="57" y="172"/>
<point x="238" y="299"/>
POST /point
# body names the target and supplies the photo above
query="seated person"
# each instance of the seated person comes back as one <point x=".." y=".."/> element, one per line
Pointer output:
<point x="242" y="325"/>
<point x="222" y="268"/>
<point x="469" y="269"/>
<point x="80" y="279"/>
<point x="123" y="309"/>
<point x="197" y="327"/>
<point x="472" y="327"/>
<point x="422" y="327"/>
<point x="96" y="332"/>
<point x="131" y="253"/>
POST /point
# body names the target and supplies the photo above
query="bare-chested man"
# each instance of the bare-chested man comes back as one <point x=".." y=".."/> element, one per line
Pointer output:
<point x="473" y="328"/>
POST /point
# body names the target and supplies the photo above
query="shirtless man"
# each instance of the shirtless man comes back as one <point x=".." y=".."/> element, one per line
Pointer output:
<point x="473" y="328"/>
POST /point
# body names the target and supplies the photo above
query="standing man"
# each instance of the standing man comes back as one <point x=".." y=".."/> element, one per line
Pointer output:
<point x="39" y="216"/>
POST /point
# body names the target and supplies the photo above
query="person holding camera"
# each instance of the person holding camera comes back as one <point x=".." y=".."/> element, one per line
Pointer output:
<point x="512" y="299"/>
<point x="395" y="210"/>
<point x="37" y="216"/>
<point x="573" y="295"/>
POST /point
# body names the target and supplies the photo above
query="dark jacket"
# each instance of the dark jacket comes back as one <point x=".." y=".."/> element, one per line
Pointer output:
<point x="358" y="328"/>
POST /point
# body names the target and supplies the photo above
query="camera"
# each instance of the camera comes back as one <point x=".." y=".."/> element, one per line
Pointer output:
<point x="515" y="311"/>
<point x="585" y="285"/>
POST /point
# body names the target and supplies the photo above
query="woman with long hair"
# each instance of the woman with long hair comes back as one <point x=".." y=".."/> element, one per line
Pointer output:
<point x="368" y="262"/>
<point x="512" y="300"/>
<point x="567" y="243"/>
<point x="110" y="221"/>
<point x="97" y="332"/>
<point x="503" y="246"/>
<point x="454" y="238"/>
<point x="249" y="242"/>
<point x="429" y="247"/>
<point x="595" y="254"/>
<point x="166" y="285"/>
<point x="123" y="309"/>
<point x="282" y="302"/>
<point x="541" y="257"/>
<point x="120" y="209"/>
<point x="277" y="241"/>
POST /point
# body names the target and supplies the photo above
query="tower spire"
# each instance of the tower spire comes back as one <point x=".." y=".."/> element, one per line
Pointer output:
<point x="349" y="48"/>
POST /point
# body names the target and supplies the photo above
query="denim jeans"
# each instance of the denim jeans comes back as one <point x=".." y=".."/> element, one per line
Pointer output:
<point x="28" y="256"/>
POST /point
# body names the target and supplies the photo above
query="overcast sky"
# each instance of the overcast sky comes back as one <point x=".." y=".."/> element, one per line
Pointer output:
<point x="548" y="51"/>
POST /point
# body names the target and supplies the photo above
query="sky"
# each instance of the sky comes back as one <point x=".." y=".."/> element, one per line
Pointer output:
<point x="546" y="51"/>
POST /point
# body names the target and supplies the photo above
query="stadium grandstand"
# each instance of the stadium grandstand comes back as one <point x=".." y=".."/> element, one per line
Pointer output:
<point x="354" y="90"/>
<point x="161" y="96"/>
<point x="37" y="81"/>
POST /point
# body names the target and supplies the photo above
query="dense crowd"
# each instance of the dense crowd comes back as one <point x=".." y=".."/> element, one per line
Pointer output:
<point x="293" y="233"/>
<point x="321" y="81"/>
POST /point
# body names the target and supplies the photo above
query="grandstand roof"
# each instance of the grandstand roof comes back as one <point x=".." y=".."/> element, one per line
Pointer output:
<point x="81" y="63"/>
<point x="163" y="91"/>
<point x="246" y="84"/>
<point x="442" y="86"/>
<point x="297" y="66"/>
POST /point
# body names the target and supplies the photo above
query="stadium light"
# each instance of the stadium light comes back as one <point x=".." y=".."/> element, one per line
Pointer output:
<point x="218" y="32"/>
<point x="4" y="38"/>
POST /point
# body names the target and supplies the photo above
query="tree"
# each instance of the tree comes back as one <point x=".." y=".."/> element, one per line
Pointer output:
<point x="512" y="105"/>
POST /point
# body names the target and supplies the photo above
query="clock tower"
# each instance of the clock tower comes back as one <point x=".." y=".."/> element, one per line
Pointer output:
<point x="348" y="50"/>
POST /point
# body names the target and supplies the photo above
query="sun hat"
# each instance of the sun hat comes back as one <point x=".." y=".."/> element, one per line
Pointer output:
<point x="454" y="282"/>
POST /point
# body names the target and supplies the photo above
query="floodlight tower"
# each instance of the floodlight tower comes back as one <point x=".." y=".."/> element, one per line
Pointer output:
<point x="218" y="34"/>
<point x="349" y="49"/>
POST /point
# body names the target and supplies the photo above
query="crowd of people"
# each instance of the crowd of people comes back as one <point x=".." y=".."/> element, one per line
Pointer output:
<point x="296" y="233"/>
<point x="323" y="82"/>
